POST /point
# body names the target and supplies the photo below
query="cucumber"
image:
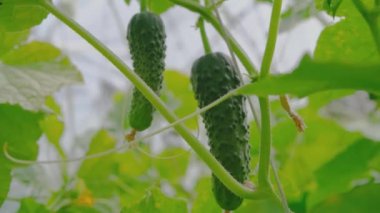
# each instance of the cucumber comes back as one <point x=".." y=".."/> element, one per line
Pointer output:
<point x="212" y="76"/>
<point x="146" y="38"/>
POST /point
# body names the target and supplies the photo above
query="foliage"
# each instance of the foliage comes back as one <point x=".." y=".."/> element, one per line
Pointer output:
<point x="328" y="168"/>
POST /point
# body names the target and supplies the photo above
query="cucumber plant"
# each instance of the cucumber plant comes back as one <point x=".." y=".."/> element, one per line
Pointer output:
<point x="214" y="81"/>
<point x="212" y="76"/>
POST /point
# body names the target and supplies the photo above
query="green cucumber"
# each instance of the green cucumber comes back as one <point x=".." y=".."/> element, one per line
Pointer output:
<point x="146" y="38"/>
<point x="212" y="76"/>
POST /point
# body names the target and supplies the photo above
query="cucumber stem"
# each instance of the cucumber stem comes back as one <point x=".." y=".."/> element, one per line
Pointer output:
<point x="224" y="176"/>
<point x="143" y="6"/>
<point x="205" y="41"/>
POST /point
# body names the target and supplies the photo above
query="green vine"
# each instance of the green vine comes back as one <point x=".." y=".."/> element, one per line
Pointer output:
<point x="143" y="6"/>
<point x="204" y="154"/>
<point x="266" y="135"/>
<point x="207" y="15"/>
<point x="205" y="41"/>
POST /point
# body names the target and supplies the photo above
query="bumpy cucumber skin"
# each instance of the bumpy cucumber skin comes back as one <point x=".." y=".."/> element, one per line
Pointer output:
<point x="212" y="76"/>
<point x="146" y="38"/>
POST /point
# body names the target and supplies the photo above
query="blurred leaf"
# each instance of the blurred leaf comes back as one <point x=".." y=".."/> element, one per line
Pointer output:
<point x="53" y="129"/>
<point x="127" y="1"/>
<point x="159" y="6"/>
<point x="271" y="205"/>
<point x="21" y="134"/>
<point x="5" y="177"/>
<point x="337" y="175"/>
<point x="311" y="77"/>
<point x="361" y="199"/>
<point x="204" y="199"/>
<point x="172" y="169"/>
<point x="350" y="40"/>
<point x="9" y="40"/>
<point x="296" y="14"/>
<point x="96" y="172"/>
<point x="140" y="163"/>
<point x="155" y="201"/>
<point x="178" y="85"/>
<point x="53" y="105"/>
<point x="375" y="98"/>
<point x="77" y="209"/>
<point x="301" y="156"/>
<point x="117" y="173"/>
<point x="34" y="71"/>
<point x="17" y="15"/>
<point x="298" y="206"/>
<point x="30" y="205"/>
<point x="321" y="99"/>
<point x="331" y="6"/>
<point x="34" y="52"/>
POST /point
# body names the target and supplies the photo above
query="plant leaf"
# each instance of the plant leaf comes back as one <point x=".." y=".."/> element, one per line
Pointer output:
<point x="361" y="199"/>
<point x="9" y="40"/>
<point x="32" y="72"/>
<point x="336" y="176"/>
<point x="159" y="6"/>
<point x="331" y="6"/>
<point x="17" y="15"/>
<point x="178" y="87"/>
<point x="349" y="40"/>
<point x="22" y="132"/>
<point x="311" y="77"/>
<point x="156" y="201"/>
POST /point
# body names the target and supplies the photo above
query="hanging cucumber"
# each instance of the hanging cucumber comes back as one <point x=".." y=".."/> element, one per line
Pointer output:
<point x="146" y="38"/>
<point x="212" y="76"/>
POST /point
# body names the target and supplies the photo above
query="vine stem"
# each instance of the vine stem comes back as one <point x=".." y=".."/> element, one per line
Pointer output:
<point x="125" y="145"/>
<point x="224" y="176"/>
<point x="205" y="41"/>
<point x="207" y="15"/>
<point x="225" y="33"/>
<point x="266" y="133"/>
<point x="143" y="7"/>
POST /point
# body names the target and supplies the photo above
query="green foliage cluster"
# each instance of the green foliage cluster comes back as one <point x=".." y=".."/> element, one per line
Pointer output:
<point x="325" y="169"/>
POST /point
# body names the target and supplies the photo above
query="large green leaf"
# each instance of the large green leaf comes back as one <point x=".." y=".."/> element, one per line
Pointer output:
<point x="337" y="175"/>
<point x="301" y="155"/>
<point x="350" y="40"/>
<point x="311" y="77"/>
<point x="16" y="15"/>
<point x="20" y="131"/>
<point x="155" y="201"/>
<point x="32" y="72"/>
<point x="361" y="199"/>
